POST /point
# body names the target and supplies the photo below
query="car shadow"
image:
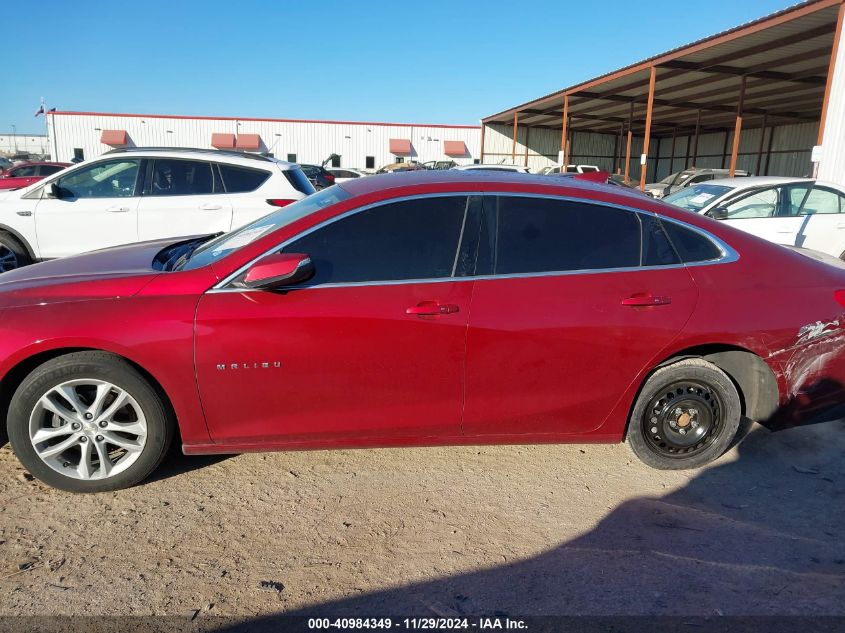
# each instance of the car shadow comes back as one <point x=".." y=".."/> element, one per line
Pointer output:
<point x="757" y="533"/>
<point x="176" y="463"/>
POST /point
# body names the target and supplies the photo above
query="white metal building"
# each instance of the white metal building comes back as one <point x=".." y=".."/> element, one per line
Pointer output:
<point x="365" y="145"/>
<point x="11" y="144"/>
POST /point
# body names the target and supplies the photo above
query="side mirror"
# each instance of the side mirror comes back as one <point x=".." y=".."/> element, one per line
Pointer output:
<point x="718" y="213"/>
<point x="278" y="269"/>
<point x="54" y="191"/>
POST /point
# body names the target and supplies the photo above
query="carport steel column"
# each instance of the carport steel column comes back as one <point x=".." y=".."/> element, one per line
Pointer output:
<point x="737" y="128"/>
<point x="515" y="127"/>
<point x="644" y="167"/>
<point x="563" y="128"/>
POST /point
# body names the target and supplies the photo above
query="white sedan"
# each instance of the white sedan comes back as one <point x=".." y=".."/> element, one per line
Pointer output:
<point x="342" y="174"/>
<point x="792" y="211"/>
<point x="516" y="168"/>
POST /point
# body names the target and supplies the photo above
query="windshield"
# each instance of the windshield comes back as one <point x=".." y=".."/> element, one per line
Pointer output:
<point x="670" y="178"/>
<point x="696" y="197"/>
<point x="220" y="247"/>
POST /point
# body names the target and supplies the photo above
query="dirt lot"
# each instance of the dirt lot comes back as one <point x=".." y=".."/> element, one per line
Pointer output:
<point x="517" y="530"/>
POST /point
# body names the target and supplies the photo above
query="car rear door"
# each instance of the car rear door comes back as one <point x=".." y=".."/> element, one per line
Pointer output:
<point x="822" y="215"/>
<point x="98" y="208"/>
<point x="373" y="346"/>
<point x="182" y="197"/>
<point x="770" y="213"/>
<point x="579" y="299"/>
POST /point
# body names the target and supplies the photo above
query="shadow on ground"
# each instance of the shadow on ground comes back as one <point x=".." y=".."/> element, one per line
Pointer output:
<point x="759" y="533"/>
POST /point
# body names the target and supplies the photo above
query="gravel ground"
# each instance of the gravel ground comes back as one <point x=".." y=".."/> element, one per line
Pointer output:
<point x="522" y="530"/>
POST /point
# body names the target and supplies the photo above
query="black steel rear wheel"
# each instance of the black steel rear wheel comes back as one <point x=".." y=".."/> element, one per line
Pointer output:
<point x="686" y="415"/>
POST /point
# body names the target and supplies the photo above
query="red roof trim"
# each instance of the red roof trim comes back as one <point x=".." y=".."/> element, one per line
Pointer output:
<point x="232" y="118"/>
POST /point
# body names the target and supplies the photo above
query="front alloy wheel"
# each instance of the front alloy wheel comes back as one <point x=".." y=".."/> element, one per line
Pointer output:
<point x="88" y="429"/>
<point x="89" y="422"/>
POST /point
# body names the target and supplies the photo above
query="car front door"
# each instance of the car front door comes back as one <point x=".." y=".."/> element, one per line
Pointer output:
<point x="372" y="346"/>
<point x="97" y="208"/>
<point x="822" y="216"/>
<point x="569" y="316"/>
<point x="182" y="197"/>
<point x="770" y="213"/>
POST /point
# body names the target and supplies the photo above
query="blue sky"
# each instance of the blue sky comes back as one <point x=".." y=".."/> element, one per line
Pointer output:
<point x="422" y="62"/>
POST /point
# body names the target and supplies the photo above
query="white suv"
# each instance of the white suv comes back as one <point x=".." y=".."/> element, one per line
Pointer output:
<point x="138" y="194"/>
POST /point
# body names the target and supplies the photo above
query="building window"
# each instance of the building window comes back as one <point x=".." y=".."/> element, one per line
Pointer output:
<point x="370" y="162"/>
<point x="476" y="161"/>
<point x="400" y="159"/>
<point x="78" y="153"/>
<point x="335" y="160"/>
<point x="291" y="158"/>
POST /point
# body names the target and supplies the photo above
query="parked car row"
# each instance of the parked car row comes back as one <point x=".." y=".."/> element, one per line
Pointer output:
<point x="23" y="174"/>
<point x="138" y="194"/>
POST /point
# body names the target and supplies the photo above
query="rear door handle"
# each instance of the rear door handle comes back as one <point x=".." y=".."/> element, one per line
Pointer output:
<point x="210" y="206"/>
<point x="117" y="209"/>
<point x="432" y="308"/>
<point x="646" y="299"/>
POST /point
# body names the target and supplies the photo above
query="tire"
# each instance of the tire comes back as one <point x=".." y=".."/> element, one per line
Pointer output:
<point x="13" y="254"/>
<point x="94" y="404"/>
<point x="687" y="414"/>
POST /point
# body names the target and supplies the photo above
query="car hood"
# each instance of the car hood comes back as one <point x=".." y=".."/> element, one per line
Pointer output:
<point x="109" y="273"/>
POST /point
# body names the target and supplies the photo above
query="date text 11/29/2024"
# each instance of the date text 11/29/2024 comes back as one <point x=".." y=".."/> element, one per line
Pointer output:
<point x="435" y="624"/>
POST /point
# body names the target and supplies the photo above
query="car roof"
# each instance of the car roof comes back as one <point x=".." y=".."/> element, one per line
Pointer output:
<point x="229" y="156"/>
<point x="479" y="180"/>
<point x="41" y="162"/>
<point x="749" y="182"/>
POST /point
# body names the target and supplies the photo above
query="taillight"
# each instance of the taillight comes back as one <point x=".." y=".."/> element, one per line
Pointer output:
<point x="279" y="202"/>
<point x="839" y="295"/>
<point x="330" y="177"/>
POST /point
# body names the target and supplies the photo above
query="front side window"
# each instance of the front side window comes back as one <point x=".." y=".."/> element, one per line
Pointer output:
<point x="25" y="172"/>
<point x="181" y="178"/>
<point x="242" y="179"/>
<point x="760" y="204"/>
<point x="410" y="239"/>
<point x="106" y="179"/>
<point x="546" y="235"/>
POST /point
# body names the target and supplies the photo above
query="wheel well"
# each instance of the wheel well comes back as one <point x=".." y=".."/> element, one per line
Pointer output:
<point x="753" y="378"/>
<point x="15" y="376"/>
<point x="19" y="238"/>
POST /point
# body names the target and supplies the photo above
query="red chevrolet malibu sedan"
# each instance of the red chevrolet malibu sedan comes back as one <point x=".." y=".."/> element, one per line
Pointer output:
<point x="424" y="308"/>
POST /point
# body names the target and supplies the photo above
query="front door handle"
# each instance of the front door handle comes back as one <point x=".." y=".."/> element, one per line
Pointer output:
<point x="646" y="299"/>
<point x="117" y="209"/>
<point x="432" y="308"/>
<point x="210" y="206"/>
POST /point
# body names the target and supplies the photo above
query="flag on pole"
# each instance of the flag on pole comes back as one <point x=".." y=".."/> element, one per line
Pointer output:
<point x="40" y="110"/>
<point x="51" y="110"/>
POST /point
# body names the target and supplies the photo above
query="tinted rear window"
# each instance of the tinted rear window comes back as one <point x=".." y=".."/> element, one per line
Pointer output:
<point x="242" y="179"/>
<point x="691" y="246"/>
<point x="298" y="180"/>
<point x="544" y="235"/>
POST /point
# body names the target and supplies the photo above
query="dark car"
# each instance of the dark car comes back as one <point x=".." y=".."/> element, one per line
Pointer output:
<point x="320" y="177"/>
